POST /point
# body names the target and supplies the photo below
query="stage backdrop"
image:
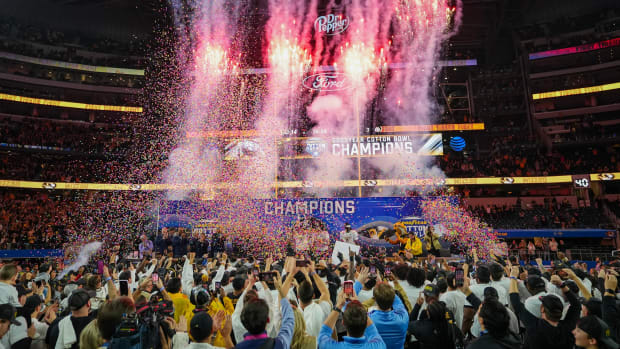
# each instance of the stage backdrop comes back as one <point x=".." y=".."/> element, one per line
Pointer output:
<point x="329" y="214"/>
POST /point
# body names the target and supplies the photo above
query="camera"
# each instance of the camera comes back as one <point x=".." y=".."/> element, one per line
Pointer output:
<point x="155" y="311"/>
<point x="129" y="326"/>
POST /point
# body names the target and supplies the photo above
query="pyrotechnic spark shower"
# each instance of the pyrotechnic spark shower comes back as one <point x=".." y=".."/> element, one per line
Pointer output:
<point x="370" y="35"/>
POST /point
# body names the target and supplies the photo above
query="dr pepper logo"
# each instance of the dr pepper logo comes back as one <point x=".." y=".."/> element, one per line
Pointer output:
<point x="327" y="82"/>
<point x="331" y="24"/>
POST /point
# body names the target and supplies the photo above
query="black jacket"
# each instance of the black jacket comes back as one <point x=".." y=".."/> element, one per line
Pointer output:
<point x="611" y="316"/>
<point x="200" y="247"/>
<point x="540" y="333"/>
<point x="487" y="341"/>
<point x="160" y="244"/>
<point x="425" y="332"/>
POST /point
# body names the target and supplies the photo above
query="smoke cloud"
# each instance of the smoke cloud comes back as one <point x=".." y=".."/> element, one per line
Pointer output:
<point x="82" y="259"/>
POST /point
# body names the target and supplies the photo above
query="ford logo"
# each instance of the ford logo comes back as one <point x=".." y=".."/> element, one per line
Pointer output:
<point x="327" y="82"/>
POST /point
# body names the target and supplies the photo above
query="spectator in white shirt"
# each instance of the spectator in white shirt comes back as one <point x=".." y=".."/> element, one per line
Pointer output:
<point x="315" y="312"/>
<point x="8" y="292"/>
<point x="491" y="293"/>
<point x="536" y="286"/>
<point x="348" y="235"/>
<point x="416" y="279"/>
<point x="454" y="299"/>
<point x="483" y="280"/>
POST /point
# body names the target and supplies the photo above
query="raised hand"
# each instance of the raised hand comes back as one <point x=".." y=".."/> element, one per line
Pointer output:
<point x="363" y="275"/>
<point x="611" y="282"/>
<point x="218" y="320"/>
<point x="514" y="271"/>
<point x="227" y="328"/>
<point x="420" y="299"/>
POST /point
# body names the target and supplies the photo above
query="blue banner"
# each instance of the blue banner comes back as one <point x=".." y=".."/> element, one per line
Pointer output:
<point x="366" y="215"/>
<point x="554" y="233"/>
<point x="31" y="253"/>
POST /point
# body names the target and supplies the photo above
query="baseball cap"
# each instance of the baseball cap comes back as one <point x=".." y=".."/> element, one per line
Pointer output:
<point x="553" y="304"/>
<point x="535" y="282"/>
<point x="78" y="299"/>
<point x="431" y="290"/>
<point x="597" y="329"/>
<point x="201" y="326"/>
<point x="7" y="312"/>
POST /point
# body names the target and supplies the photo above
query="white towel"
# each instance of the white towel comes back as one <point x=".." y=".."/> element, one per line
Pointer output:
<point x="66" y="334"/>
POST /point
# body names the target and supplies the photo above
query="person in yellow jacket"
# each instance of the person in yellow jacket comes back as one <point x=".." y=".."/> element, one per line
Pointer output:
<point x="411" y="244"/>
<point x="182" y="305"/>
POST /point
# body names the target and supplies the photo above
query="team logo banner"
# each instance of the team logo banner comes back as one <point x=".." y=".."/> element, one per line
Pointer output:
<point x="365" y="146"/>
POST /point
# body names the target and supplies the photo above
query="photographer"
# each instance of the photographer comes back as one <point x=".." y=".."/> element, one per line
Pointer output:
<point x="120" y="326"/>
<point x="111" y="314"/>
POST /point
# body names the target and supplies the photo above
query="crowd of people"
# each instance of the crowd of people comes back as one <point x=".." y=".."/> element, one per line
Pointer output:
<point x="40" y="219"/>
<point x="509" y="159"/>
<point x="558" y="216"/>
<point x="602" y="22"/>
<point x="62" y="94"/>
<point x="34" y="219"/>
<point x="68" y="75"/>
<point x="20" y="38"/>
<point x="208" y="298"/>
<point x="505" y="160"/>
<point x="83" y="138"/>
<point x="600" y="56"/>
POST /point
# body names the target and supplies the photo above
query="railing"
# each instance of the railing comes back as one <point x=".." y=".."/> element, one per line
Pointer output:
<point x="575" y="254"/>
<point x="10" y="254"/>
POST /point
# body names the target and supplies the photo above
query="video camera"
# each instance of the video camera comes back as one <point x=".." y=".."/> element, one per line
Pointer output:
<point x="141" y="329"/>
<point x="155" y="311"/>
<point x="129" y="326"/>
